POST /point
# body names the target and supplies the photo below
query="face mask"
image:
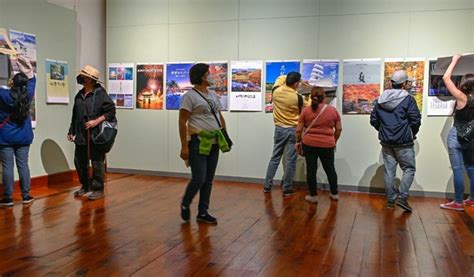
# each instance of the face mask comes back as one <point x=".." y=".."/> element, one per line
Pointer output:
<point x="80" y="79"/>
<point x="210" y="80"/>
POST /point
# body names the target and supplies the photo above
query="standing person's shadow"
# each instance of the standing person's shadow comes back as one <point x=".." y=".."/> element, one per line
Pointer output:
<point x="374" y="176"/>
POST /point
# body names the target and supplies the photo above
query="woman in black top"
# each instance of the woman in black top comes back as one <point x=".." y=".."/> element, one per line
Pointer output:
<point x="464" y="112"/>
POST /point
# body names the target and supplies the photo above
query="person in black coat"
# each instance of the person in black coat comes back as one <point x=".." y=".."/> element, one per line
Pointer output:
<point x="92" y="106"/>
<point x="397" y="119"/>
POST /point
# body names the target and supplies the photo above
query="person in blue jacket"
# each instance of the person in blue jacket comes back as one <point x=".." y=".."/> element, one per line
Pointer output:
<point x="16" y="133"/>
<point x="397" y="119"/>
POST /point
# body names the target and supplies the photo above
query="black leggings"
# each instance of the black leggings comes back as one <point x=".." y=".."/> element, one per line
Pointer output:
<point x="326" y="155"/>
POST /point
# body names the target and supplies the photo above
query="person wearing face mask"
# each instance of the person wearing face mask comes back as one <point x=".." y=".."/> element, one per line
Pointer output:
<point x="397" y="119"/>
<point x="92" y="105"/>
<point x="319" y="128"/>
<point x="16" y="133"/>
<point x="201" y="126"/>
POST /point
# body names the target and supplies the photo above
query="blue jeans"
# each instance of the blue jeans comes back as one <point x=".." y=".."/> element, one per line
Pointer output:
<point x="457" y="165"/>
<point x="203" y="169"/>
<point x="284" y="137"/>
<point x="392" y="156"/>
<point x="7" y="155"/>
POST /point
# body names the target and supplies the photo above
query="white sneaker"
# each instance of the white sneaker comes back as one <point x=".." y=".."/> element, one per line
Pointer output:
<point x="311" y="199"/>
<point x="334" y="197"/>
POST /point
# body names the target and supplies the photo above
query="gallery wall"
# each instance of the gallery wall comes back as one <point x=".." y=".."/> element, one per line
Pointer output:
<point x="67" y="30"/>
<point x="183" y="30"/>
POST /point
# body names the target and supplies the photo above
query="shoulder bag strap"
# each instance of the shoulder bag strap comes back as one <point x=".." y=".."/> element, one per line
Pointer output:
<point x="5" y="121"/>
<point x="314" y="120"/>
<point x="300" y="103"/>
<point x="212" y="110"/>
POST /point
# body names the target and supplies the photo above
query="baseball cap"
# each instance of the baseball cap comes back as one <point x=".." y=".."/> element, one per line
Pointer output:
<point x="400" y="77"/>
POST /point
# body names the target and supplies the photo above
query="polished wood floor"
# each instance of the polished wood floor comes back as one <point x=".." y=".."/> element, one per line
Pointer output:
<point x="136" y="230"/>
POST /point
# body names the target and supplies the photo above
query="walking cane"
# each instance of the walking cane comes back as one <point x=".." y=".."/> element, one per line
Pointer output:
<point x="89" y="160"/>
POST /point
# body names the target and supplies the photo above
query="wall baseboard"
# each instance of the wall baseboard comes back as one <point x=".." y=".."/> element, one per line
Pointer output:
<point x="50" y="180"/>
<point x="349" y="188"/>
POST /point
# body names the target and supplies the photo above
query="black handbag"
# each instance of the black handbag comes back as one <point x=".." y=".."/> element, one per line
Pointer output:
<point x="103" y="136"/>
<point x="464" y="131"/>
<point x="224" y="131"/>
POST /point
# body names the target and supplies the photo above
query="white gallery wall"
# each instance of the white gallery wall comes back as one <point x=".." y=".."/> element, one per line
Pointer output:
<point x="200" y="30"/>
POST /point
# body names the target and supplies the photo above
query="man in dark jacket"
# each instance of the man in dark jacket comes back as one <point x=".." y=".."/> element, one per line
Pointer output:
<point x="92" y="106"/>
<point x="397" y="119"/>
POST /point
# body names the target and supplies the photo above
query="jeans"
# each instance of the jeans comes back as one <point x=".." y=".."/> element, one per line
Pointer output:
<point x="81" y="161"/>
<point x="203" y="169"/>
<point x="457" y="165"/>
<point x="405" y="156"/>
<point x="284" y="137"/>
<point x="20" y="154"/>
<point x="326" y="155"/>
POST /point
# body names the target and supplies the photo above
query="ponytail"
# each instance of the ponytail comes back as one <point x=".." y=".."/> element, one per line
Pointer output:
<point x="21" y="103"/>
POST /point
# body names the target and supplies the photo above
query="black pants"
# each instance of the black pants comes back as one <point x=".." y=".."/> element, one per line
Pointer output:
<point x="98" y="167"/>
<point x="326" y="155"/>
<point x="203" y="169"/>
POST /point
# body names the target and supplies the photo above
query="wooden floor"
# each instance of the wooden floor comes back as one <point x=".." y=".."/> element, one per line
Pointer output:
<point x="136" y="230"/>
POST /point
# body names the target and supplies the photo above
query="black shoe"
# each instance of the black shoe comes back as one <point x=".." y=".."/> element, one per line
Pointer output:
<point x="390" y="205"/>
<point x="185" y="213"/>
<point x="206" y="218"/>
<point x="288" y="192"/>
<point x="404" y="204"/>
<point x="6" y="202"/>
<point x="27" y="200"/>
<point x="267" y="189"/>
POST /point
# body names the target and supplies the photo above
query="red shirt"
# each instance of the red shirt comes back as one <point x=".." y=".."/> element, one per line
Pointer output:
<point x="321" y="133"/>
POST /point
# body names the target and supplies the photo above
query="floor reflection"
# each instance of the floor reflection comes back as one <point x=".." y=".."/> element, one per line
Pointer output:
<point x="91" y="232"/>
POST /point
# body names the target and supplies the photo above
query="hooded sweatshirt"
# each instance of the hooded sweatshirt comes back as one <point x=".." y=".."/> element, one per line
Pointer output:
<point x="396" y="117"/>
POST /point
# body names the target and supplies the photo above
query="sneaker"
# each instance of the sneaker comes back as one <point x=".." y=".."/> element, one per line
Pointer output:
<point x="80" y="192"/>
<point x="96" y="195"/>
<point x="390" y="205"/>
<point x="207" y="218"/>
<point x="311" y="199"/>
<point x="288" y="192"/>
<point x="267" y="189"/>
<point x="185" y="213"/>
<point x="469" y="202"/>
<point x="452" y="206"/>
<point x="404" y="204"/>
<point x="28" y="199"/>
<point x="6" y="202"/>
<point x="334" y="197"/>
